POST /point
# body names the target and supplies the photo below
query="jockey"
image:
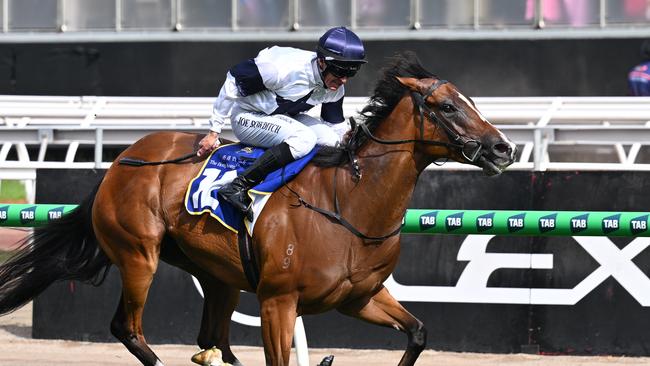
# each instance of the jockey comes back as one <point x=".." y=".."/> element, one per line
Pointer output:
<point x="266" y="98"/>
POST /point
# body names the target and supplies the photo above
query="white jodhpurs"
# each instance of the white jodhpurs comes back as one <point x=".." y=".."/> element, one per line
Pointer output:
<point x="301" y="132"/>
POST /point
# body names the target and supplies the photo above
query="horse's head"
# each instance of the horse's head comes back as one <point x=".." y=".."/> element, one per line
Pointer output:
<point x="454" y="127"/>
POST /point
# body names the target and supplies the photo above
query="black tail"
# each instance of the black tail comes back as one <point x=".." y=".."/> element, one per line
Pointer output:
<point x="65" y="249"/>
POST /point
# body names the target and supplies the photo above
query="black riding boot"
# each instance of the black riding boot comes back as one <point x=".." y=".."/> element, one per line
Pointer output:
<point x="235" y="192"/>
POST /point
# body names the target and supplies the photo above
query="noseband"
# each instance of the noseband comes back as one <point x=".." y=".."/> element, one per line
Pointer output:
<point x="470" y="149"/>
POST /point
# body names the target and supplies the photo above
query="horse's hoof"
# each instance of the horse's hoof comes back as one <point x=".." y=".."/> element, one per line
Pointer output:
<point x="209" y="357"/>
<point x="327" y="361"/>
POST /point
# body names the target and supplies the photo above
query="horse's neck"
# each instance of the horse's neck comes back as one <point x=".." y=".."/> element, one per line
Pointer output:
<point x="389" y="174"/>
<point x="389" y="181"/>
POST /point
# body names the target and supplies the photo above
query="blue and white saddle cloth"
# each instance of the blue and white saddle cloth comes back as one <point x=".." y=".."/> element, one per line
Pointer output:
<point x="223" y="165"/>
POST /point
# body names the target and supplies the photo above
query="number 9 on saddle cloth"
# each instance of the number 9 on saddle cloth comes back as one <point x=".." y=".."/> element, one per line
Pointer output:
<point x="223" y="165"/>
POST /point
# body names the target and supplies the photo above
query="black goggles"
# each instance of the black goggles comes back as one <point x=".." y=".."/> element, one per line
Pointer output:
<point x="342" y="71"/>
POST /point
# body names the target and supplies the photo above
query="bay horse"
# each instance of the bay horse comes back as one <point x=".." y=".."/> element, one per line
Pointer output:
<point x="309" y="261"/>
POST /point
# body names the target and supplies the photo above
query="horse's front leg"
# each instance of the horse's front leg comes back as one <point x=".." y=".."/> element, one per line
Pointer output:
<point x="383" y="309"/>
<point x="278" y="315"/>
<point x="219" y="303"/>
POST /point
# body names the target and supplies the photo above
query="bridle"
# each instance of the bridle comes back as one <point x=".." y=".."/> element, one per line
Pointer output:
<point x="470" y="149"/>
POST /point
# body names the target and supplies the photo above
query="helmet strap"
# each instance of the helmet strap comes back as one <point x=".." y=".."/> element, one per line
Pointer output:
<point x="322" y="66"/>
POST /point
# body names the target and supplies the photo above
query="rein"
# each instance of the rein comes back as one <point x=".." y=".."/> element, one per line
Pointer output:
<point x="140" y="162"/>
<point x="470" y="149"/>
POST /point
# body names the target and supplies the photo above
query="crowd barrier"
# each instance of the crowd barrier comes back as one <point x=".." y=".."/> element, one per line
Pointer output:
<point x="434" y="221"/>
<point x="26" y="215"/>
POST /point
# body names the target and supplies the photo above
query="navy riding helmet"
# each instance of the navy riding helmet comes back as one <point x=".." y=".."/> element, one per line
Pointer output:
<point x="342" y="51"/>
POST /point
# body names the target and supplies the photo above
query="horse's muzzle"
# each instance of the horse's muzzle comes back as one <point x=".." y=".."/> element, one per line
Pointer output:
<point x="497" y="157"/>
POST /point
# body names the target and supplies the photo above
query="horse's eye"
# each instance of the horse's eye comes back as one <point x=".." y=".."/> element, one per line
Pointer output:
<point x="447" y="108"/>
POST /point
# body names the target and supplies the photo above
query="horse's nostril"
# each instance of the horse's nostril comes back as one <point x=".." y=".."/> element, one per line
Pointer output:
<point x="502" y="149"/>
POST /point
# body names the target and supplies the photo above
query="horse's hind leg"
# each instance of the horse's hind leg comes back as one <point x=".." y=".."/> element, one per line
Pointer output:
<point x="135" y="253"/>
<point x="137" y="275"/>
<point x="383" y="309"/>
<point x="219" y="303"/>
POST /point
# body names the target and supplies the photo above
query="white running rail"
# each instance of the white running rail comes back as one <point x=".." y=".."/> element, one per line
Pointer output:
<point x="586" y="133"/>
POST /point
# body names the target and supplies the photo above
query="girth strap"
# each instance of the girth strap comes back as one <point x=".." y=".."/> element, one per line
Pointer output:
<point x="248" y="261"/>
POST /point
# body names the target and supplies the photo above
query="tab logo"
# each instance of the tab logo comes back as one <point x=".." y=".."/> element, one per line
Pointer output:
<point x="639" y="224"/>
<point x="516" y="222"/>
<point x="579" y="223"/>
<point x="485" y="222"/>
<point x="4" y="213"/>
<point x="547" y="223"/>
<point x="428" y="220"/>
<point x="455" y="221"/>
<point x="55" y="213"/>
<point x="27" y="215"/>
<point x="611" y="223"/>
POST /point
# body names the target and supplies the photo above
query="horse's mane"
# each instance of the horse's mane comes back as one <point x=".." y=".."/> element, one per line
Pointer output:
<point x="388" y="92"/>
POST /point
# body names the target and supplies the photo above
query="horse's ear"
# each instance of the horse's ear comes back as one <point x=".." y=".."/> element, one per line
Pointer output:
<point x="411" y="83"/>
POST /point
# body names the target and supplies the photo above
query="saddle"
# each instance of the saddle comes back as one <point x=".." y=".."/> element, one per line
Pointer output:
<point x="219" y="169"/>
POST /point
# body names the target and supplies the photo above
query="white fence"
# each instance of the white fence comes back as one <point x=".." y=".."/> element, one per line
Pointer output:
<point x="605" y="132"/>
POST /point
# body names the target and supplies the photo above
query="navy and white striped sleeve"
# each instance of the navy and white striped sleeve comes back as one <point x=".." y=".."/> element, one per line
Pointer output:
<point x="247" y="78"/>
